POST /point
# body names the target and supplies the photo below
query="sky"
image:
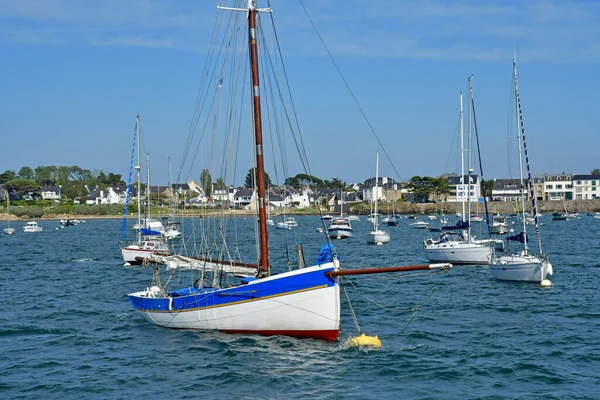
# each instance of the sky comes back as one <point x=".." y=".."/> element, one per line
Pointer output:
<point x="74" y="75"/>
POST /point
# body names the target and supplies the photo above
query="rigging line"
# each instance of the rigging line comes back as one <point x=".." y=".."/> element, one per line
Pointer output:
<point x="279" y="134"/>
<point x="349" y="89"/>
<point x="197" y="106"/>
<point x="302" y="148"/>
<point x="226" y="49"/>
<point x="487" y="217"/>
<point x="350" y="307"/>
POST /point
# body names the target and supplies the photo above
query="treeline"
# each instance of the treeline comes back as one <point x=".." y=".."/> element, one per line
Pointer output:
<point x="71" y="180"/>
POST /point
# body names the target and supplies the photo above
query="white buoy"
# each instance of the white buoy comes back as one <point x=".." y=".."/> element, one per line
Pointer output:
<point x="546" y="283"/>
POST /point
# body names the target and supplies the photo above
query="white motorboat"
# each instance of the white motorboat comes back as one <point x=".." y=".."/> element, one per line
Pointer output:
<point x="499" y="226"/>
<point x="32" y="226"/>
<point x="419" y="225"/>
<point x="340" y="228"/>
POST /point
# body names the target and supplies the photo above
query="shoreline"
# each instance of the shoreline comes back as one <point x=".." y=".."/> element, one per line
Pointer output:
<point x="582" y="206"/>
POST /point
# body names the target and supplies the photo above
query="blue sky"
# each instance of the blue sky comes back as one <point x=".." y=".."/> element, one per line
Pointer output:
<point x="76" y="73"/>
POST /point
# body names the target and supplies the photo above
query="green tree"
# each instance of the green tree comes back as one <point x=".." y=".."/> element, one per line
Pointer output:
<point x="250" y="179"/>
<point x="220" y="183"/>
<point x="422" y="187"/>
<point x="206" y="182"/>
<point x="441" y="187"/>
<point x="7" y="176"/>
<point x="487" y="190"/>
<point x="302" y="180"/>
<point x="46" y="175"/>
<point x="595" y="171"/>
<point x="21" y="185"/>
<point x="27" y="173"/>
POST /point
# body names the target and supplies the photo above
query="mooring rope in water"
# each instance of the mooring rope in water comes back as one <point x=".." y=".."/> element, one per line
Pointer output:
<point x="414" y="314"/>
<point x="350" y="308"/>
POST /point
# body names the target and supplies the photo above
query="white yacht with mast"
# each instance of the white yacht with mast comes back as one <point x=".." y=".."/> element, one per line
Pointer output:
<point x="377" y="236"/>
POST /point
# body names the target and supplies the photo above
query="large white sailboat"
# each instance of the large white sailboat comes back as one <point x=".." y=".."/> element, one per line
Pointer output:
<point x="458" y="247"/>
<point x="524" y="265"/>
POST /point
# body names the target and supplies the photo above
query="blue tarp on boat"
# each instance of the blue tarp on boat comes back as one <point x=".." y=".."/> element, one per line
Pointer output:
<point x="326" y="254"/>
<point x="149" y="232"/>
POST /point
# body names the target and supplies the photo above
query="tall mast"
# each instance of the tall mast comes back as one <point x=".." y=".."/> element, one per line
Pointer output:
<point x="529" y="180"/>
<point x="252" y="11"/>
<point x="469" y="168"/>
<point x="521" y="181"/>
<point x="462" y="158"/>
<point x="376" y="217"/>
<point x="147" y="191"/>
<point x="139" y="183"/>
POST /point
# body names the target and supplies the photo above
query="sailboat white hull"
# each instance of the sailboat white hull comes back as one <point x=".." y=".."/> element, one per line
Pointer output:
<point x="520" y="268"/>
<point x="378" y="237"/>
<point x="132" y="254"/>
<point x="266" y="306"/>
<point x="458" y="253"/>
<point x="9" y="231"/>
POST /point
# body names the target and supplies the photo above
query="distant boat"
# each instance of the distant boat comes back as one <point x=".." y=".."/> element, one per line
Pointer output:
<point x="560" y="216"/>
<point x="499" y="225"/>
<point x="377" y="236"/>
<point x="419" y="225"/>
<point x="149" y="239"/>
<point x="340" y="228"/>
<point x="32" y="226"/>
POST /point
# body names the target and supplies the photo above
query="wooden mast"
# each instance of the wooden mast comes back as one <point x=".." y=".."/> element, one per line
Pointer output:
<point x="260" y="165"/>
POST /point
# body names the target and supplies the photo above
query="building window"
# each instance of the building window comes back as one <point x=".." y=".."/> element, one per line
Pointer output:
<point x="579" y="182"/>
<point x="568" y="186"/>
<point x="594" y="189"/>
<point x="549" y="187"/>
<point x="593" y="183"/>
<point x="559" y="186"/>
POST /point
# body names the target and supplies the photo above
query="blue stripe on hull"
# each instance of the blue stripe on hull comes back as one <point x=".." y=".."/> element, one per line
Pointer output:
<point x="262" y="289"/>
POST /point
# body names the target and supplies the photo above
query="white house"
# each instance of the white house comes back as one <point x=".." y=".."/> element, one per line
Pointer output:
<point x="304" y="199"/>
<point x="50" y="193"/>
<point x="558" y="187"/>
<point x="585" y="187"/>
<point x="460" y="191"/>
<point x="507" y="190"/>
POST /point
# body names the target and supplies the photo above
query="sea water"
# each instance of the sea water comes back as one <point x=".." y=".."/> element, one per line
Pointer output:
<point x="67" y="329"/>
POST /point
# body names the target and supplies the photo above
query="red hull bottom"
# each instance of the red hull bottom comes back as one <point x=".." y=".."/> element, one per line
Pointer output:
<point x="330" y="335"/>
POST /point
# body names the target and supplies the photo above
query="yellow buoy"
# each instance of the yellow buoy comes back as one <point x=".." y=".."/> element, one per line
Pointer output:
<point x="364" y="340"/>
<point x="545" y="283"/>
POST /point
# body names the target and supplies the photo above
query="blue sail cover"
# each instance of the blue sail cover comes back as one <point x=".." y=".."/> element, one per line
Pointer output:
<point x="460" y="225"/>
<point x="521" y="237"/>
<point x="148" y="232"/>
<point x="326" y="254"/>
